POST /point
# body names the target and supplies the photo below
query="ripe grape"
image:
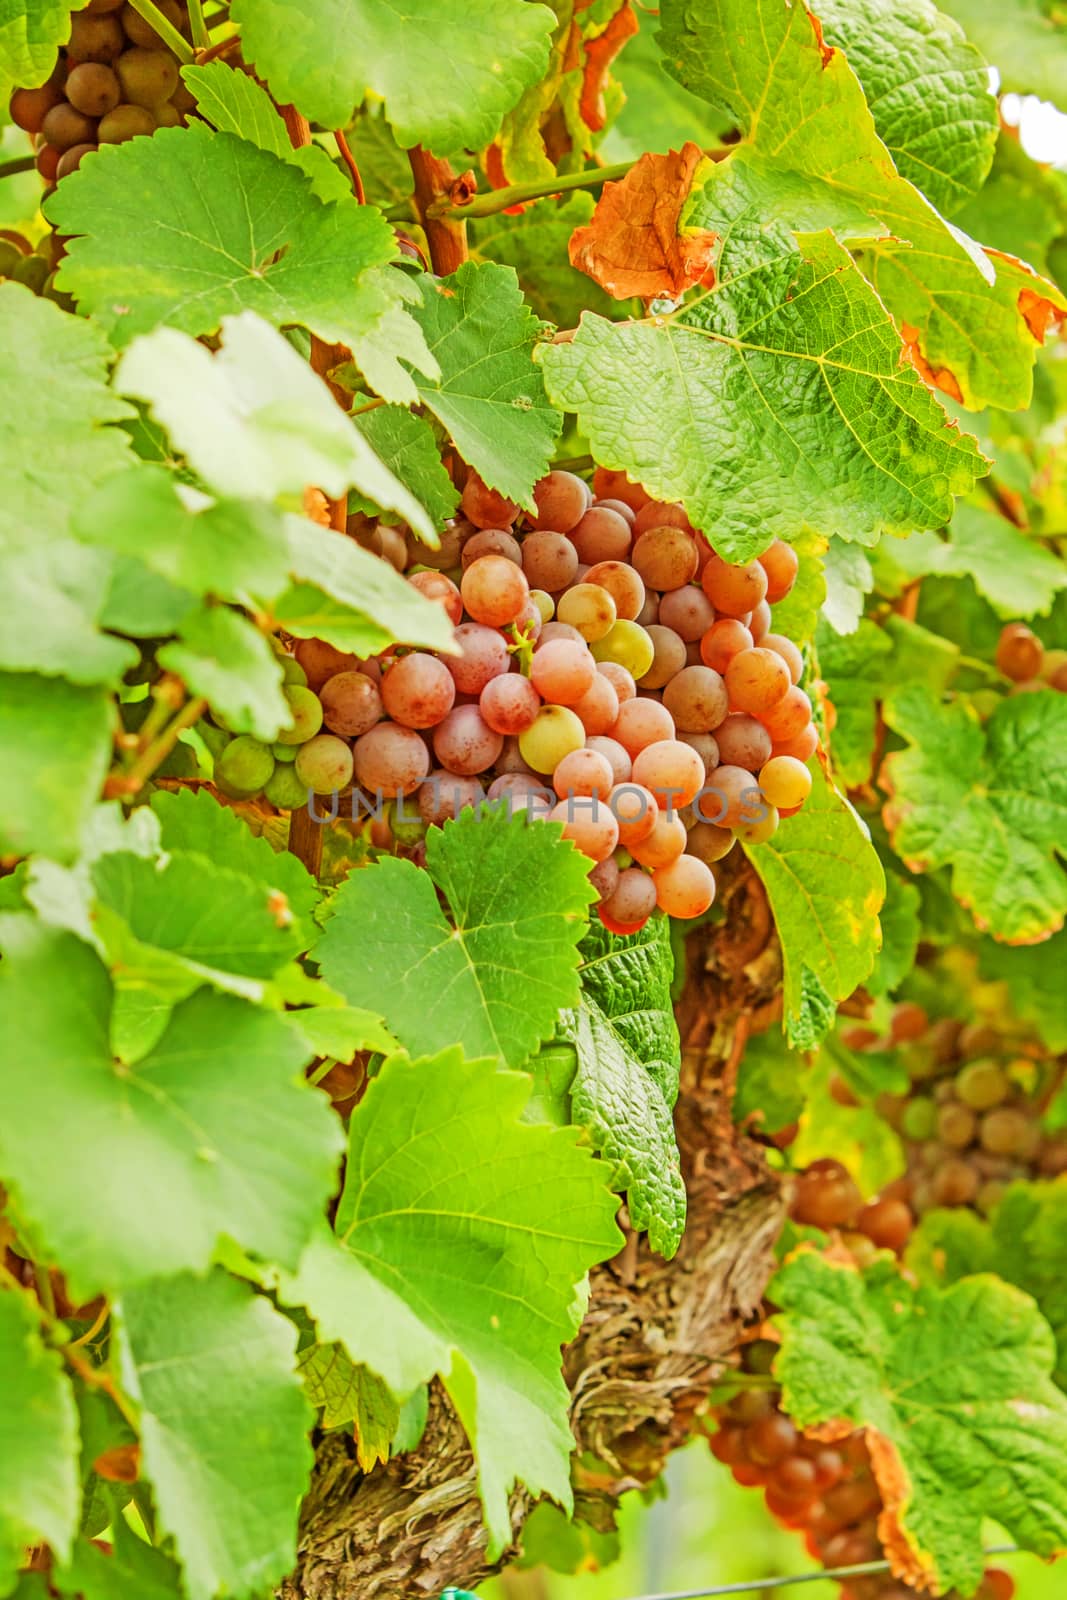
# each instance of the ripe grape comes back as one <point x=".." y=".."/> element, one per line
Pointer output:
<point x="685" y="888"/>
<point x="955" y="1183"/>
<point x="1019" y="652"/>
<point x="93" y="89"/>
<point x="663" y="844"/>
<point x="759" y="622"/>
<point x="732" y="798"/>
<point x="351" y="703"/>
<point x="826" y="1196"/>
<point x="321" y="661"/>
<point x="553" y="734"/>
<point x="744" y="742"/>
<point x="324" y="764"/>
<point x="29" y="107"/>
<point x="558" y="630"/>
<point x="802" y="747"/>
<point x="705" y="745"/>
<point x="604" y="878"/>
<point x="141" y="32"/>
<point x="621" y="680"/>
<point x="95" y="38"/>
<point x="785" y="781"/>
<point x="64" y="127"/>
<point x="1007" y="1131"/>
<point x="661" y="514"/>
<point x="982" y="1085"/>
<point x="617" y="758"/>
<point x="696" y="698"/>
<point x="758" y="829"/>
<point x="756" y="680"/>
<point x="909" y="1021"/>
<point x="444" y="795"/>
<point x="562" y="671"/>
<point x="583" y="772"/>
<point x="125" y="122"/>
<point x="641" y="722"/>
<point x="665" y="557"/>
<point x="589" y="824"/>
<point x="484" y="506"/>
<point x="549" y="560"/>
<point x="390" y="760"/>
<point x="787" y="650"/>
<point x="561" y="499"/>
<point x="634" y="899"/>
<point x="787" y="718"/>
<point x="617" y="486"/>
<point x="887" y="1223"/>
<point x="418" y="690"/>
<point x="622" y="583"/>
<point x="490" y="542"/>
<point x="781" y="563"/>
<point x="724" y="639"/>
<point x="494" y="590"/>
<point x="649" y="612"/>
<point x="602" y="535"/>
<point x="628" y="513"/>
<point x="668" y="657"/>
<point x="243" y="767"/>
<point x="673" y="772"/>
<point x="636" y="810"/>
<point x="770" y="1439"/>
<point x="627" y="644"/>
<point x="306" y="711"/>
<point x="509" y="703"/>
<point x="956" y="1125"/>
<point x="147" y="76"/>
<point x="465" y="743"/>
<point x="483" y="655"/>
<point x="437" y="586"/>
<point x="285" y="789"/>
<point x="734" y="591"/>
<point x="72" y="159"/>
<point x="589" y="608"/>
<point x="599" y="706"/>
<point x="688" y="611"/>
<point x="709" y="843"/>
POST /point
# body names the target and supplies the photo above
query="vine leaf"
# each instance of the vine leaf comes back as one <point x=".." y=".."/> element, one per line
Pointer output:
<point x="133" y="1570"/>
<point x="630" y="979"/>
<point x="928" y="90"/>
<point x="30" y="35"/>
<point x="39" y="1488"/>
<point x="772" y="1082"/>
<point x="490" y="396"/>
<point x="254" y="420"/>
<point x="346" y="1393"/>
<point x="1023" y="1243"/>
<point x="1035" y="982"/>
<point x="406" y="443"/>
<point x="447" y="73"/>
<point x="461" y="1236"/>
<point x="492" y="975"/>
<point x="53" y="595"/>
<point x="901" y="930"/>
<point x="1017" y="575"/>
<point x="765" y="421"/>
<point x="56" y="739"/>
<point x="219" y="654"/>
<point x="57" y="439"/>
<point x="634" y="244"/>
<point x="194" y="821"/>
<point x="811" y="145"/>
<point x="227" y="1477"/>
<point x="220" y="227"/>
<point x="212" y="1132"/>
<point x="990" y="802"/>
<point x="825" y="885"/>
<point x="953" y="1386"/>
<point x="535" y="244"/>
<point x="1024" y="40"/>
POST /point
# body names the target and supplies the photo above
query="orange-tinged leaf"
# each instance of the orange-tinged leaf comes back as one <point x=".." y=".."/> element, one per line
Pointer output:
<point x="633" y="245"/>
<point x="942" y="378"/>
<point x="907" y="1559"/>
<point x="599" y="54"/>
<point x="122" y="1464"/>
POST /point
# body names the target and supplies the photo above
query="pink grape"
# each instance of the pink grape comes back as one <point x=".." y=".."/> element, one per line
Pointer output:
<point x="733" y="797"/>
<point x="697" y="700"/>
<point x="562" y="671"/>
<point x="663" y="844"/>
<point x="733" y="590"/>
<point x="788" y="652"/>
<point x="418" y="690"/>
<point x="604" y="877"/>
<point x="743" y="742"/>
<point x="725" y="639"/>
<point x="627" y="513"/>
<point x="465" y="743"/>
<point x="444" y="795"/>
<point x="616" y="756"/>
<point x="788" y="716"/>
<point x="661" y="514"/>
<point x="390" y="760"/>
<point x="484" y="506"/>
<point x="561" y="499"/>
<point x="549" y="561"/>
<point x="616" y="485"/>
<point x="665" y="557"/>
<point x="802" y="747"/>
<point x="598" y="707"/>
<point x="602" y="535"/>
<point x="759" y="622"/>
<point x="494" y="590"/>
<point x="781" y="563"/>
<point x="685" y="888"/>
<point x="437" y="586"/>
<point x="621" y="680"/>
<point x="583" y="772"/>
<point x="351" y="703"/>
<point x="688" y="611"/>
<point x="589" y="824"/>
<point x="706" y="746"/>
<point x="672" y="771"/>
<point x="756" y="680"/>
<point x="558" y="630"/>
<point x="509" y="703"/>
<point x="668" y="660"/>
<point x="636" y="811"/>
<point x="708" y="842"/>
<point x="622" y="583"/>
<point x="634" y="899"/>
<point x="491" y="542"/>
<point x="483" y="655"/>
<point x="642" y="722"/>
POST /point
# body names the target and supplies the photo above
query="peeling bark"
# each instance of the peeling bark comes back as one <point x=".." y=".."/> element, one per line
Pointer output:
<point x="651" y="1343"/>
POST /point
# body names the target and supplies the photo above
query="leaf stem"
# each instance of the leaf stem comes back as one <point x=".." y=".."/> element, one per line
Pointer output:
<point x="127" y="784"/>
<point x="8" y="169"/>
<point x="197" y="24"/>
<point x="166" y="30"/>
<point x="494" y="200"/>
<point x="350" y="162"/>
<point x="323" y="1070"/>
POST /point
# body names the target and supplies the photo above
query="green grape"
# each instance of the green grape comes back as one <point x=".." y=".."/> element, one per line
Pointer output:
<point x="244" y="767"/>
<point x="147" y="76"/>
<point x="307" y="714"/>
<point x="293" y="672"/>
<point x="982" y="1085"/>
<point x="216" y="739"/>
<point x="553" y="734"/>
<point x="589" y="608"/>
<point x="324" y="764"/>
<point x="125" y="122"/>
<point x="285" y="790"/>
<point x="920" y="1119"/>
<point x="628" y="645"/>
<point x="284" y="752"/>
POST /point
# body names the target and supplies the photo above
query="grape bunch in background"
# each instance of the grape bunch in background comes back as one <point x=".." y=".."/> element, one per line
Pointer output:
<point x="613" y="674"/>
<point x="114" y="79"/>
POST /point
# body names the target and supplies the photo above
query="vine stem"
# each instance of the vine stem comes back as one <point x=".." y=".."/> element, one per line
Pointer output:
<point x="197" y="24"/>
<point x="759" y="1586"/>
<point x="494" y="200"/>
<point x="446" y="238"/>
<point x="350" y="162"/>
<point x="8" y="169"/>
<point x="166" y="30"/>
<point x="127" y="784"/>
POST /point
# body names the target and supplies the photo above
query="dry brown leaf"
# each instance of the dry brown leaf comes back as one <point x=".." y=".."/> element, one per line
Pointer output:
<point x="120" y="1465"/>
<point x="599" y="54"/>
<point x="632" y="245"/>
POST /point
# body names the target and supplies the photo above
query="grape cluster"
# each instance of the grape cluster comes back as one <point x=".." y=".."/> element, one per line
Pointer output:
<point x="1022" y="657"/>
<point x="114" y="79"/>
<point x="971" y="1120"/>
<point x="825" y="1491"/>
<point x="614" y="674"/>
<point x="825" y="1196"/>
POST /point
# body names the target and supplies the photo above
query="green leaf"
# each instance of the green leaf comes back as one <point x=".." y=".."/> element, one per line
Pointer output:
<point x="462" y="1234"/>
<point x="1023" y="1243"/>
<point x="1020" y="207"/>
<point x="446" y="72"/>
<point x="657" y="114"/>
<point x="53" y="594"/>
<point x="39" y="1491"/>
<point x="901" y="929"/>
<point x="31" y="32"/>
<point x="764" y="424"/>
<point x="535" y="244"/>
<point x="928" y="90"/>
<point x="798" y="614"/>
<point x="355" y="594"/>
<point x="1018" y="576"/>
<point x="229" y="548"/>
<point x="214" y="1131"/>
<point x="194" y="821"/>
<point x="254" y="420"/>
<point x="407" y="445"/>
<point x="618" y="1102"/>
<point x="340" y="1031"/>
<point x="849" y="580"/>
<point x="990" y="802"/>
<point x="132" y="1570"/>
<point x="630" y="978"/>
<point x="1026" y="40"/>
<point x="198" y="226"/>
<point x="772" y="1082"/>
<point x="220" y="655"/>
<point x="227" y="1476"/>
<point x="1034" y="977"/>
<point x="55" y="747"/>
<point x="812" y="158"/>
<point x="955" y="1387"/>
<point x="490" y="396"/>
<point x="57" y="441"/>
<point x="102" y="1427"/>
<point x="346" y="1393"/>
<point x="494" y="977"/>
<point x="825" y="885"/>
